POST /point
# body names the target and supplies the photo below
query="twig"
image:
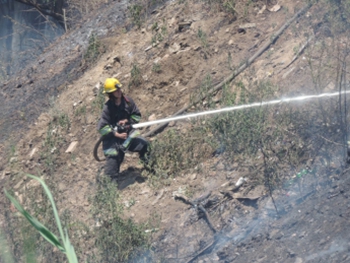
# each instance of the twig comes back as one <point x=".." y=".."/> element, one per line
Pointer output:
<point x="299" y="52"/>
<point x="337" y="143"/>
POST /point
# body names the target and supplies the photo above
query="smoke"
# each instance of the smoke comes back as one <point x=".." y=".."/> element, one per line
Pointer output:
<point x="336" y="247"/>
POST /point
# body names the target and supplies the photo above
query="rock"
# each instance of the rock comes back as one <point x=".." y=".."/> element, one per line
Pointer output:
<point x="108" y="66"/>
<point x="184" y="25"/>
<point x="32" y="152"/>
<point x="160" y="195"/>
<point x="262" y="10"/>
<point x="13" y="159"/>
<point x="174" y="48"/>
<point x="248" y="25"/>
<point x="152" y="117"/>
<point x="19" y="185"/>
<point x="72" y="147"/>
<point x="275" y="8"/>
<point x="148" y="48"/>
<point x="96" y="89"/>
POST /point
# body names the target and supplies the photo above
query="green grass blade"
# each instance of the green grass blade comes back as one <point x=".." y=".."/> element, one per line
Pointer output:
<point x="49" y="195"/>
<point x="69" y="249"/>
<point x="49" y="236"/>
<point x="72" y="257"/>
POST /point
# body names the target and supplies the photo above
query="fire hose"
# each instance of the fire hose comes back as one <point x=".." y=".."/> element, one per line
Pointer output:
<point x="128" y="128"/>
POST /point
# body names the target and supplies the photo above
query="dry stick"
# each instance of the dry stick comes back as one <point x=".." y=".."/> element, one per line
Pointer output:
<point x="198" y="206"/>
<point x="299" y="52"/>
<point x="273" y="38"/>
<point x="65" y="20"/>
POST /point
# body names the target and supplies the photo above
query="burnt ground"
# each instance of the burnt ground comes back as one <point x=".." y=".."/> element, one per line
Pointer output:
<point x="235" y="225"/>
<point x="313" y="229"/>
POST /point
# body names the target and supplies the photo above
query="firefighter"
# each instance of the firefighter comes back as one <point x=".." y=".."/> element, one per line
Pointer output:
<point x="121" y="110"/>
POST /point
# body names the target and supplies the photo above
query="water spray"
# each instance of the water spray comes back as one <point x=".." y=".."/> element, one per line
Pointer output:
<point x="239" y="107"/>
<point x="233" y="108"/>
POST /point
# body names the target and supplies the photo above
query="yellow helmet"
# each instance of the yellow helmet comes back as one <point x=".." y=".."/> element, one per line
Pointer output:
<point x="111" y="85"/>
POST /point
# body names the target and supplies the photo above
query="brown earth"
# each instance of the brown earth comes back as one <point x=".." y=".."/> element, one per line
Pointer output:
<point x="311" y="223"/>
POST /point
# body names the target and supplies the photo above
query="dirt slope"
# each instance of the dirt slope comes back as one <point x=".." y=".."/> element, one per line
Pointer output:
<point x="311" y="223"/>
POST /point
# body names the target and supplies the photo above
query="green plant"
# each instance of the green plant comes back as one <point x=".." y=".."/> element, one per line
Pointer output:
<point x="173" y="152"/>
<point x="229" y="6"/>
<point x="155" y="26"/>
<point x="63" y="244"/>
<point x="81" y="111"/>
<point x="159" y="35"/>
<point x="99" y="101"/>
<point x="136" y="78"/>
<point x="136" y="12"/>
<point x="156" y="68"/>
<point x="118" y="239"/>
<point x="93" y="50"/>
<point x="295" y="50"/>
<point x="202" y="37"/>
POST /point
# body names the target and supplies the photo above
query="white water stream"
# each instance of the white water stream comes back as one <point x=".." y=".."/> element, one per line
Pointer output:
<point x="240" y="107"/>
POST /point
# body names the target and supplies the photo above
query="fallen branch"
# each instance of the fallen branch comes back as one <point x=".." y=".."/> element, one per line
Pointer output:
<point x="272" y="39"/>
<point x="198" y="206"/>
<point x="206" y="215"/>
<point x="301" y="50"/>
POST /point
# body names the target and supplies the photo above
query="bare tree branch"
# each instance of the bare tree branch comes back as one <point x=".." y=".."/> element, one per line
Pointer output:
<point x="55" y="10"/>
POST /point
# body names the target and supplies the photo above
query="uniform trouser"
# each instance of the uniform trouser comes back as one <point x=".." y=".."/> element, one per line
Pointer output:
<point x="137" y="144"/>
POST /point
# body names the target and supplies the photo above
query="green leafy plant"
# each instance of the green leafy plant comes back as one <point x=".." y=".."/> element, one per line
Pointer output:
<point x="99" y="101"/>
<point x="229" y="6"/>
<point x="63" y="244"/>
<point x="94" y="49"/>
<point x="136" y="78"/>
<point x="159" y="35"/>
<point x="118" y="239"/>
<point x="136" y="12"/>
<point x="156" y="68"/>
<point x="203" y="38"/>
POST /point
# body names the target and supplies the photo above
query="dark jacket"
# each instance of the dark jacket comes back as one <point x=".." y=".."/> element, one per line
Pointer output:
<point x="111" y="115"/>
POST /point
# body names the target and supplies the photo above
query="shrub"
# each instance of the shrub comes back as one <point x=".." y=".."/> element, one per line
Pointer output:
<point x="118" y="239"/>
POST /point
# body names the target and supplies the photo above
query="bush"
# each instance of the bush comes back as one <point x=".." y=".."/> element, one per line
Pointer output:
<point x="118" y="239"/>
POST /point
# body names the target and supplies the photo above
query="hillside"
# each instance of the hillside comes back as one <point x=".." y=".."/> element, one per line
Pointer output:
<point x="292" y="206"/>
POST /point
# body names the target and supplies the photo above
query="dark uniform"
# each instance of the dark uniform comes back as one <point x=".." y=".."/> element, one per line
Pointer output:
<point x="112" y="149"/>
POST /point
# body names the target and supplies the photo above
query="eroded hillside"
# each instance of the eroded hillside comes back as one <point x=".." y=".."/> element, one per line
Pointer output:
<point x="189" y="209"/>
